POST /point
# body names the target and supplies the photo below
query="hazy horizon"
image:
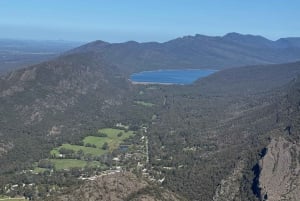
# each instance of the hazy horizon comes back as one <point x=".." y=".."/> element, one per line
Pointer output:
<point x="87" y="41"/>
<point x="145" y="21"/>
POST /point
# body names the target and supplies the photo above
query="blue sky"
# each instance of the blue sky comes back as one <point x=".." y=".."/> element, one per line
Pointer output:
<point x="141" y="20"/>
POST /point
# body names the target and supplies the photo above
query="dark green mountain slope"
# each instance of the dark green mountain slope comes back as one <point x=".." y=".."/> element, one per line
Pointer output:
<point x="197" y="51"/>
<point x="67" y="93"/>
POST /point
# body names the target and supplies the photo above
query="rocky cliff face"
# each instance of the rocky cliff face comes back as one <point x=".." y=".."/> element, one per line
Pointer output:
<point x="229" y="188"/>
<point x="280" y="171"/>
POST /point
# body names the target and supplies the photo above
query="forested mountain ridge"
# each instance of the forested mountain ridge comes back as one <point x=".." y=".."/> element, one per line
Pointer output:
<point x="50" y="94"/>
<point x="197" y="51"/>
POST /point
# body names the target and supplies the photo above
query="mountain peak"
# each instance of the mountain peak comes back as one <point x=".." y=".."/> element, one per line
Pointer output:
<point x="248" y="39"/>
<point x="235" y="35"/>
<point x="232" y="35"/>
<point x="90" y="47"/>
<point x="99" y="42"/>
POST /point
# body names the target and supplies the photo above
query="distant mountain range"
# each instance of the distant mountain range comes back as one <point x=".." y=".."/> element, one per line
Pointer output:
<point x="197" y="51"/>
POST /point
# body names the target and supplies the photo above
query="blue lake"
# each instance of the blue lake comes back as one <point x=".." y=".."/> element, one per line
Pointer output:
<point x="186" y="76"/>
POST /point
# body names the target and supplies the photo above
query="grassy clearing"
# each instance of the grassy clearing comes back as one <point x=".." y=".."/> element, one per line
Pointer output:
<point x="86" y="150"/>
<point x="146" y="104"/>
<point x="61" y="164"/>
<point x="113" y="139"/>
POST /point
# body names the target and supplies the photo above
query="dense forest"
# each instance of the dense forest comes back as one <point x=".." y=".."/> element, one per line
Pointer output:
<point x="198" y="134"/>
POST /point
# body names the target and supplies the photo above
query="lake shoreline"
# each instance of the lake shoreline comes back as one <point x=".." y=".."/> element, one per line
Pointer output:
<point x="151" y="83"/>
<point x="169" y="76"/>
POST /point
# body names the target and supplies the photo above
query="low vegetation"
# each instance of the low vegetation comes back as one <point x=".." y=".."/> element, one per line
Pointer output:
<point x="113" y="138"/>
<point x="94" y="145"/>
<point x="86" y="155"/>
<point x="61" y="164"/>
